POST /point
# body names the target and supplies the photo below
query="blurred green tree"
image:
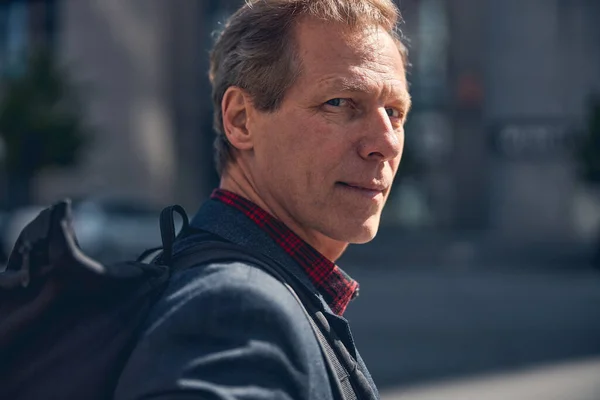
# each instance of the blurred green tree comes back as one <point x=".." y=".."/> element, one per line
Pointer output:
<point x="590" y="149"/>
<point x="41" y="123"/>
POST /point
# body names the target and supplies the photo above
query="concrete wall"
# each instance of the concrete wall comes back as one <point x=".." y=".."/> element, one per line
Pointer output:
<point x="116" y="50"/>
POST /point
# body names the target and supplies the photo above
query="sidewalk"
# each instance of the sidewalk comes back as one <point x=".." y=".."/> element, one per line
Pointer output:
<point x="570" y="381"/>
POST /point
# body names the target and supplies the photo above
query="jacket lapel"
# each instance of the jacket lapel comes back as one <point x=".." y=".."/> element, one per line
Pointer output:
<point x="342" y="329"/>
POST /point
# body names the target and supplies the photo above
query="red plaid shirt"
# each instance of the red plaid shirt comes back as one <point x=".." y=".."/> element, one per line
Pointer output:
<point x="334" y="284"/>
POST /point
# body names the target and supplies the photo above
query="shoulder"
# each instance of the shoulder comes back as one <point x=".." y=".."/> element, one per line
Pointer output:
<point x="234" y="302"/>
<point x="232" y="288"/>
<point x="226" y="329"/>
<point x="229" y="317"/>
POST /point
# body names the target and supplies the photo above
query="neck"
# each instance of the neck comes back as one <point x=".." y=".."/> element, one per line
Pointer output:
<point x="237" y="182"/>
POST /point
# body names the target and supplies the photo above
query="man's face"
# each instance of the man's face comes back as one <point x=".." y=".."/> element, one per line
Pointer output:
<point x="326" y="159"/>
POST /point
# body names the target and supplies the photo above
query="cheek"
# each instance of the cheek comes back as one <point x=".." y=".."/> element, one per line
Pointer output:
<point x="305" y="149"/>
<point x="323" y="150"/>
<point x="300" y="142"/>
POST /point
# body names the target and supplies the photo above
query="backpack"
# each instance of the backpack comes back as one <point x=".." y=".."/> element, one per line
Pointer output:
<point x="68" y="323"/>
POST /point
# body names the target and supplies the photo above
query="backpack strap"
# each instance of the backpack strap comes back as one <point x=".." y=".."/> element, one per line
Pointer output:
<point x="163" y="254"/>
<point x="347" y="380"/>
<point x="167" y="230"/>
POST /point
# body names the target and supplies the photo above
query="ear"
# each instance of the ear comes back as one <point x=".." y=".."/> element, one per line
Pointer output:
<point x="235" y="106"/>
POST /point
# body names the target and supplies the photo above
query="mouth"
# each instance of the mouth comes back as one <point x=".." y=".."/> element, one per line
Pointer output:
<point x="369" y="190"/>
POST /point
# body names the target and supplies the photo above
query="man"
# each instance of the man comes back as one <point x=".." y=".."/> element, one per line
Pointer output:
<point x="310" y="99"/>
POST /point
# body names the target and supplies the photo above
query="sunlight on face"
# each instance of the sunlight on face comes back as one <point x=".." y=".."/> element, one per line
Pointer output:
<point x="326" y="159"/>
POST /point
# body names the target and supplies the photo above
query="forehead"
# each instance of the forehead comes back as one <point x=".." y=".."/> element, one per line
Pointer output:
<point x="352" y="60"/>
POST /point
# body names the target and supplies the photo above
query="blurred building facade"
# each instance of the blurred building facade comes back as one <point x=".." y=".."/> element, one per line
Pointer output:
<point x="500" y="94"/>
<point x="498" y="87"/>
<point x="137" y="65"/>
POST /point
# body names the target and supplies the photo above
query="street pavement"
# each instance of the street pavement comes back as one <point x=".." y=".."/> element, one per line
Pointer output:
<point x="418" y="326"/>
<point x="575" y="380"/>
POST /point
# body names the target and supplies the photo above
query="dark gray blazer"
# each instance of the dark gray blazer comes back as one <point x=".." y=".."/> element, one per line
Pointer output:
<point x="231" y="331"/>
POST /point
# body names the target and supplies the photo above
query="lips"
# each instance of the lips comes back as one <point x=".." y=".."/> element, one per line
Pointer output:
<point x="370" y="187"/>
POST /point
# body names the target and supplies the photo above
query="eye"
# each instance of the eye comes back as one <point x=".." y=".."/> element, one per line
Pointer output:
<point x="393" y="112"/>
<point x="337" y="102"/>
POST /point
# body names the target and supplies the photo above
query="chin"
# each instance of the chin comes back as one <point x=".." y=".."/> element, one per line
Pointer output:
<point x="360" y="233"/>
<point x="365" y="236"/>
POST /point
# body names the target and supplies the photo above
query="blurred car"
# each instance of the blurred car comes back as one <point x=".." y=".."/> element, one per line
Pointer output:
<point x="108" y="229"/>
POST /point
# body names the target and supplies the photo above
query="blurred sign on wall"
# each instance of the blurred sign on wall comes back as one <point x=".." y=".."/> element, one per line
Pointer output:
<point x="533" y="140"/>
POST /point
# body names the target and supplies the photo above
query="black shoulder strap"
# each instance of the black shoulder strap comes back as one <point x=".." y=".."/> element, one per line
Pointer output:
<point x="168" y="235"/>
<point x="168" y="232"/>
<point x="340" y="368"/>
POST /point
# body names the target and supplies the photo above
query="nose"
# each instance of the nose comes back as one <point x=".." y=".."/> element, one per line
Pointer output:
<point x="382" y="141"/>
